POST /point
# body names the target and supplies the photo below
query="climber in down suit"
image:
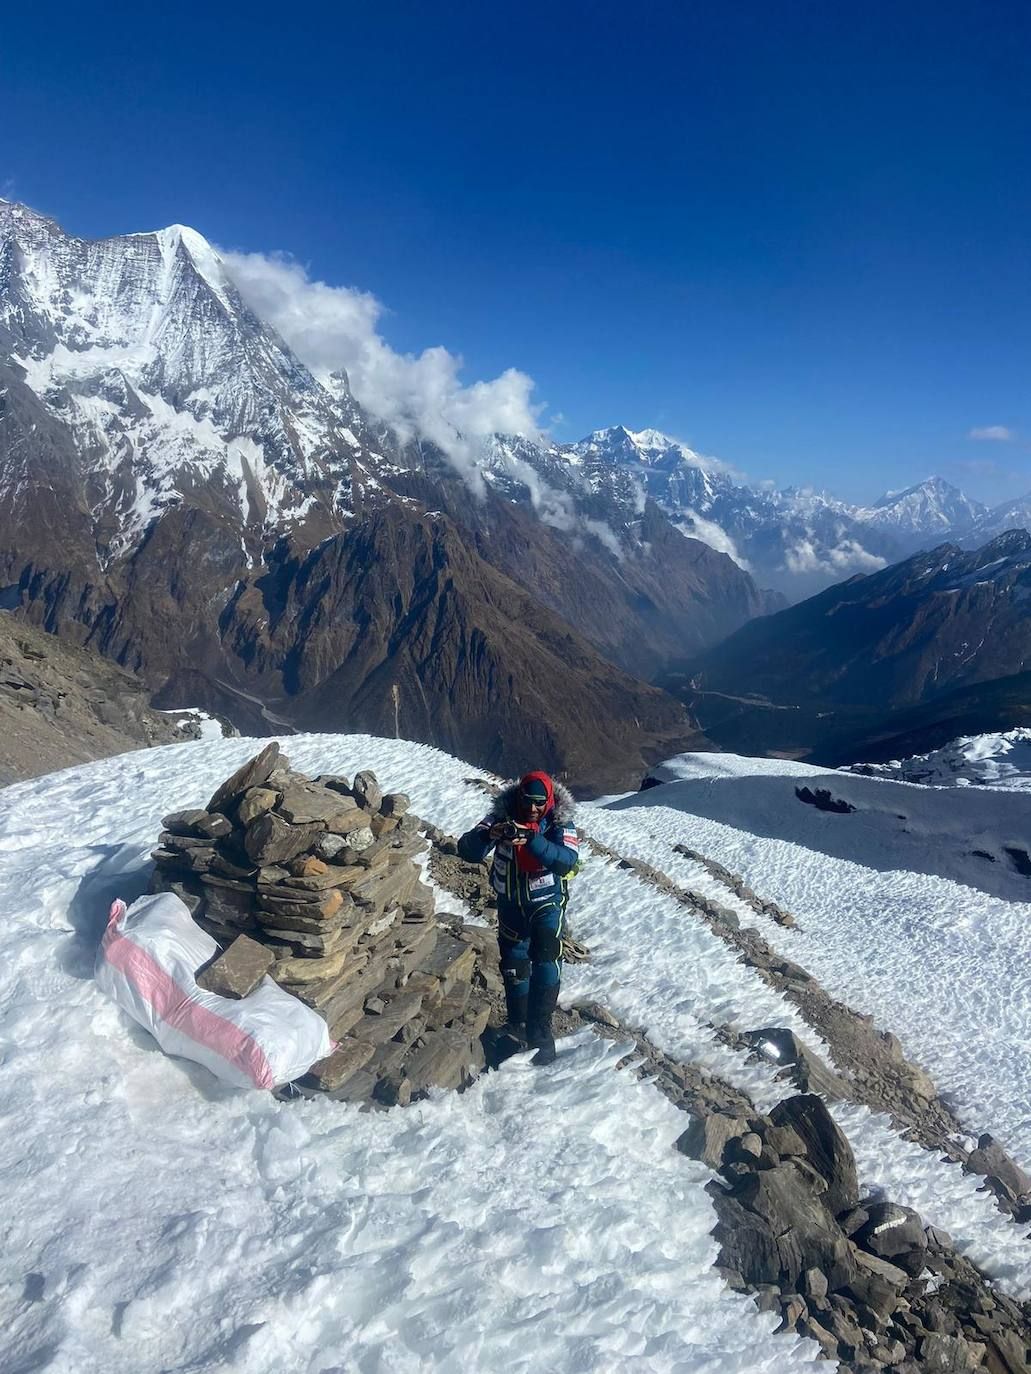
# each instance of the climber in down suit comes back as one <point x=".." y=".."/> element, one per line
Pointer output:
<point x="536" y="847"/>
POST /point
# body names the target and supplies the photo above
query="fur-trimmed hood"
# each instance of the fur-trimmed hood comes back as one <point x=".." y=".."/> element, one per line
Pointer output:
<point x="564" y="812"/>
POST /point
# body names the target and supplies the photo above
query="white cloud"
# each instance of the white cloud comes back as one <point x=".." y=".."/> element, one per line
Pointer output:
<point x="1000" y="433"/>
<point x="848" y="557"/>
<point x="708" y="532"/>
<point x="337" y="327"/>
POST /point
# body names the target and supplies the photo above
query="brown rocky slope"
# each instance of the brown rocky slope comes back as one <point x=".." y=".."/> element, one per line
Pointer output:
<point x="60" y="705"/>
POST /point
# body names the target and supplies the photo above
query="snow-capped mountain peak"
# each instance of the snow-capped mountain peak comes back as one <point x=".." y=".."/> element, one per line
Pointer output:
<point x="930" y="508"/>
<point x="164" y="380"/>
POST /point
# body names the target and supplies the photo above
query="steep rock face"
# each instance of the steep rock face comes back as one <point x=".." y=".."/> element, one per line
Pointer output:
<point x="940" y="620"/>
<point x="167" y="386"/>
<point x="618" y="571"/>
<point x="400" y="625"/>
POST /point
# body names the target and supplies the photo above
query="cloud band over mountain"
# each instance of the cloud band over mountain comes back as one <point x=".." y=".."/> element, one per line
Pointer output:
<point x="334" y="328"/>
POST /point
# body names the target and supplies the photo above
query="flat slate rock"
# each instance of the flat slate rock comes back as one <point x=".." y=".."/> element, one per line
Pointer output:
<point x="348" y="822"/>
<point x="238" y="971"/>
<point x="444" y="1060"/>
<point x="332" y="1073"/>
<point x="385" y="887"/>
<point x="332" y="875"/>
<point x="314" y="907"/>
<point x="254" y="803"/>
<point x="312" y="975"/>
<point x="273" y="840"/>
<point x="253" y="773"/>
<point x="309" y="802"/>
<point x="213" y="825"/>
<point x="183" y="822"/>
<point x="452" y="960"/>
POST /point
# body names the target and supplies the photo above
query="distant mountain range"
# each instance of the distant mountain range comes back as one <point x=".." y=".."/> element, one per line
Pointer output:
<point x="179" y="492"/>
<point x="878" y="667"/>
<point x="794" y="541"/>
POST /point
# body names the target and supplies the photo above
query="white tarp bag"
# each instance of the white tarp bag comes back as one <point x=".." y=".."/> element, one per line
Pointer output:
<point x="146" y="963"/>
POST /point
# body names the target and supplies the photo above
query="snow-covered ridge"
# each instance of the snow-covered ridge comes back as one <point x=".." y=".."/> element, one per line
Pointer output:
<point x="998" y="760"/>
<point x="794" y="540"/>
<point x="168" y="383"/>
<point x="168" y="1222"/>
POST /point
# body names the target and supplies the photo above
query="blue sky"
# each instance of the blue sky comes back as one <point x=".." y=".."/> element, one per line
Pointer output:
<point x="793" y="234"/>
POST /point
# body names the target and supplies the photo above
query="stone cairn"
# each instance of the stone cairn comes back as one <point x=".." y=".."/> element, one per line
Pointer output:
<point x="316" y="884"/>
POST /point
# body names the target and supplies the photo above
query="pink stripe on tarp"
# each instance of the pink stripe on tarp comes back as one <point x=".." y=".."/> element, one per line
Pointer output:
<point x="174" y="1005"/>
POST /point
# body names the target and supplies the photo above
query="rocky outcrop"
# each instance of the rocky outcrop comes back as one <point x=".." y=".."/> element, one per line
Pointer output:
<point x="317" y="884"/>
<point x="863" y="1276"/>
<point x="61" y="705"/>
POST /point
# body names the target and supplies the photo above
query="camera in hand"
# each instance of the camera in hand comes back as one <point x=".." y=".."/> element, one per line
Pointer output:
<point x="510" y="831"/>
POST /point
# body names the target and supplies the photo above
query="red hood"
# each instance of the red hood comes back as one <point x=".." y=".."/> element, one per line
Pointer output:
<point x="549" y="787"/>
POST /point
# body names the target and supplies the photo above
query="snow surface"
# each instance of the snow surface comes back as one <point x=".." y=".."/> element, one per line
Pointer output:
<point x="893" y="917"/>
<point x="1001" y="759"/>
<point x="157" y="1220"/>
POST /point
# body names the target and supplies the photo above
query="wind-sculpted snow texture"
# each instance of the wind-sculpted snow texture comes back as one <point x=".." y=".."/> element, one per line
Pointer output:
<point x="897" y="915"/>
<point x="156" y="1220"/>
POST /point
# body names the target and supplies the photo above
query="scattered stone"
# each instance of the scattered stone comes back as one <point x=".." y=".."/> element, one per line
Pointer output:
<point x="992" y="1160"/>
<point x="948" y="1354"/>
<point x="797" y="1063"/>
<point x="894" y="1233"/>
<point x="821" y="798"/>
<point x="238" y="971"/>
<point x="707" y="1137"/>
<point x="394" y="804"/>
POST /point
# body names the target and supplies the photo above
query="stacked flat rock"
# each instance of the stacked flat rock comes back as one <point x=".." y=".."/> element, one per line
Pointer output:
<point x="316" y="883"/>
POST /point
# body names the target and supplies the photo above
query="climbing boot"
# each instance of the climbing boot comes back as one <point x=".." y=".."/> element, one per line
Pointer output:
<point x="539" y="1036"/>
<point x="515" y="1027"/>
